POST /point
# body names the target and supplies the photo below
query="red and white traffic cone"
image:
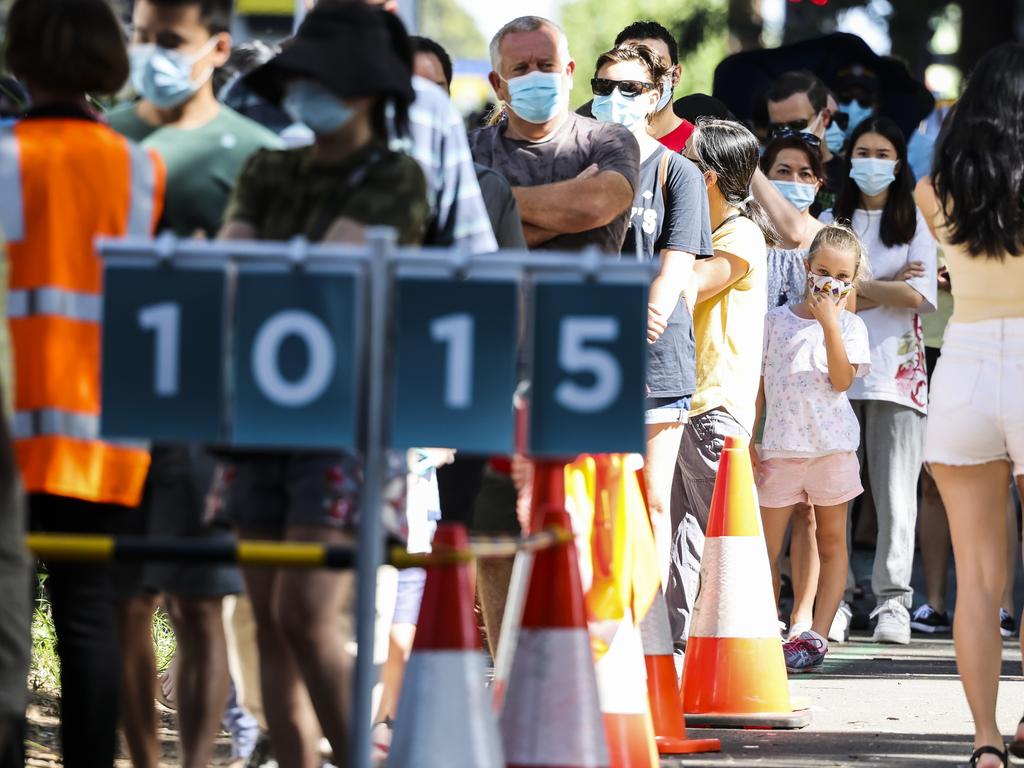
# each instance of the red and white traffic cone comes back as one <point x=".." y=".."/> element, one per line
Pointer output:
<point x="551" y="717"/>
<point x="444" y="717"/>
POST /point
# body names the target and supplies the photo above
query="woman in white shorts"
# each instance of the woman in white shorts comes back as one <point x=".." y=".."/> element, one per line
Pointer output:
<point x="975" y="436"/>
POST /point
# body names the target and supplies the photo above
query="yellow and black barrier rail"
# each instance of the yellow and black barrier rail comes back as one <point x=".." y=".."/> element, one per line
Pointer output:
<point x="280" y="554"/>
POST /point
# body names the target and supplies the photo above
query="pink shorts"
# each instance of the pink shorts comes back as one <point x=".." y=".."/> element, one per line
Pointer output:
<point x="823" y="481"/>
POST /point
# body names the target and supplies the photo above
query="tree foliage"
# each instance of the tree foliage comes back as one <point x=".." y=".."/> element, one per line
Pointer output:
<point x="447" y="22"/>
<point x="700" y="27"/>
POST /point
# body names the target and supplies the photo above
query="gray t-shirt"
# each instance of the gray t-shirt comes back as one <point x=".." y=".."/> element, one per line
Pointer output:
<point x="579" y="143"/>
<point x="501" y="208"/>
<point x="674" y="216"/>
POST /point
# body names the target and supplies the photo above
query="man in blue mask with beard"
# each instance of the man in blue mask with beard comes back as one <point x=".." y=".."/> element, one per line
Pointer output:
<point x="573" y="177"/>
<point x="176" y="46"/>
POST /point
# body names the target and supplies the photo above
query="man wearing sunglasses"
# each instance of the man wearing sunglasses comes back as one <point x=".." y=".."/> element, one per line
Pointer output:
<point x="573" y="177"/>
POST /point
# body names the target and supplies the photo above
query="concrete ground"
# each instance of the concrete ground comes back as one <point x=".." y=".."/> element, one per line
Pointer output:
<point x="885" y="705"/>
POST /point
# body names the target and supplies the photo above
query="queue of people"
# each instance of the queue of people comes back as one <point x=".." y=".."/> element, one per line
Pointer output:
<point x="793" y="274"/>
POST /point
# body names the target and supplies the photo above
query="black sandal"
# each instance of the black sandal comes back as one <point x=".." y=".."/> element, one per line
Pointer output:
<point x="987" y="751"/>
<point x="1016" y="747"/>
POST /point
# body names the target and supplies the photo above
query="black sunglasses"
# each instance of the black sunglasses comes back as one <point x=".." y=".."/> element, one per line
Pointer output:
<point x="809" y="139"/>
<point x="629" y="88"/>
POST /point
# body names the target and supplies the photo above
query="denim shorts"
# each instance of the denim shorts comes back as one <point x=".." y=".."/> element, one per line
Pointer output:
<point x="667" y="410"/>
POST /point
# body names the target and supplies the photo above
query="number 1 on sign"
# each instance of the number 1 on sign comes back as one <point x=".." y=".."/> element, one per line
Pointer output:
<point x="165" y="322"/>
<point x="456" y="331"/>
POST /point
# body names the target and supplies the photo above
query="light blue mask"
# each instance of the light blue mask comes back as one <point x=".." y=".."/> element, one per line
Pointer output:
<point x="314" y="106"/>
<point x="617" y="108"/>
<point x="800" y="195"/>
<point x="164" y="77"/>
<point x="834" y="138"/>
<point x="873" y="175"/>
<point x="537" y="97"/>
<point x="857" y="114"/>
<point x="666" y="94"/>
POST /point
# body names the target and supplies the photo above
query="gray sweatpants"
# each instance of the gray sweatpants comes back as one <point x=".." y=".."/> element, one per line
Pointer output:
<point x="692" y="487"/>
<point x="892" y="443"/>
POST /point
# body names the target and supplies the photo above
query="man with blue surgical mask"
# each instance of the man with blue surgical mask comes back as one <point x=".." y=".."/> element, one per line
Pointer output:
<point x="573" y="177"/>
<point x="176" y="46"/>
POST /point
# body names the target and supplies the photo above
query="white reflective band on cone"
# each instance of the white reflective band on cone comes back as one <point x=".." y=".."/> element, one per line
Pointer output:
<point x="12" y="213"/>
<point x="551" y="714"/>
<point x="655" y="633"/>
<point x="735" y="597"/>
<point x="621" y="673"/>
<point x="86" y="307"/>
<point x="50" y="422"/>
<point x="458" y="732"/>
<point x="143" y="187"/>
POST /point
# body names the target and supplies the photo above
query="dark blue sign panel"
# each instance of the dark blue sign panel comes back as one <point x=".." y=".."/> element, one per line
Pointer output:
<point x="296" y="358"/>
<point x="163" y="351"/>
<point x="455" y="364"/>
<point x="588" y="368"/>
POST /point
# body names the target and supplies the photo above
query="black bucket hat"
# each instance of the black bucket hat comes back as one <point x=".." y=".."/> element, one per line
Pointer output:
<point x="352" y="50"/>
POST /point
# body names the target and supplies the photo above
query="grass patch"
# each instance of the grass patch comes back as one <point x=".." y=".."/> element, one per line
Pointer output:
<point x="44" y="672"/>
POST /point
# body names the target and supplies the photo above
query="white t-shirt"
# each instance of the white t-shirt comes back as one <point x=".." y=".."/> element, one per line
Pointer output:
<point x="898" y="372"/>
<point x="804" y="416"/>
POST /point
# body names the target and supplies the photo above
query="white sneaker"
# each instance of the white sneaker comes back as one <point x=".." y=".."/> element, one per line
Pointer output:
<point x="797" y="629"/>
<point x="893" y="623"/>
<point x="839" y="632"/>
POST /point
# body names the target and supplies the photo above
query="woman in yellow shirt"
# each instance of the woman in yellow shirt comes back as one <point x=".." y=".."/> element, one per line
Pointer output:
<point x="975" y="436"/>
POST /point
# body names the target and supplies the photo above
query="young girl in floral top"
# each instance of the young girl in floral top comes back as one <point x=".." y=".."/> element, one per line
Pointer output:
<point x="813" y="351"/>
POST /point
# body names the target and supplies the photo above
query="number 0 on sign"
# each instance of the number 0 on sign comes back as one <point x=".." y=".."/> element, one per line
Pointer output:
<point x="589" y="357"/>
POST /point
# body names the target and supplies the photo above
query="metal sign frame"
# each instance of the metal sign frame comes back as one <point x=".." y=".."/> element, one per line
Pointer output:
<point x="381" y="261"/>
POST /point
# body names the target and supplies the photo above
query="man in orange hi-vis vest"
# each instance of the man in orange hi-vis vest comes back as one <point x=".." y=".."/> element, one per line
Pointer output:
<point x="66" y="179"/>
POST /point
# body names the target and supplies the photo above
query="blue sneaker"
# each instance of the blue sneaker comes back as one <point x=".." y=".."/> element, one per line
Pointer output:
<point x="805" y="653"/>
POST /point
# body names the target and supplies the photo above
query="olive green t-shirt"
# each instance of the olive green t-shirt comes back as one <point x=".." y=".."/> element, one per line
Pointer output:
<point x="285" y="193"/>
<point x="202" y="164"/>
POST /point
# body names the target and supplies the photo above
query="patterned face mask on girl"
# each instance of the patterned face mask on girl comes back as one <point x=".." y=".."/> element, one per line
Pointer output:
<point x="829" y="286"/>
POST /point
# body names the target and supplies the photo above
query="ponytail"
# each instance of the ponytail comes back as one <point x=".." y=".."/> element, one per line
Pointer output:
<point x="754" y="211"/>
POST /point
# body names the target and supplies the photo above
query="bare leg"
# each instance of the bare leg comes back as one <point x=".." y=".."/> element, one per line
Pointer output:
<point x="1012" y="553"/>
<point x="834" y="556"/>
<point x="138" y="679"/>
<point x="803" y="558"/>
<point x="659" y="466"/>
<point x="775" y="520"/>
<point x="933" y="533"/>
<point x="202" y="680"/>
<point x="308" y="604"/>
<point x="975" y="499"/>
<point x="493" y="578"/>
<point x="399" y="648"/>
<point x="294" y="733"/>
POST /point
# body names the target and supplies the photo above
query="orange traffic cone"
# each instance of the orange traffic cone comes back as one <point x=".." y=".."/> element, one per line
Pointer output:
<point x="551" y="715"/>
<point x="663" y="686"/>
<point x="735" y="675"/>
<point x="444" y="719"/>
<point x="623" y="694"/>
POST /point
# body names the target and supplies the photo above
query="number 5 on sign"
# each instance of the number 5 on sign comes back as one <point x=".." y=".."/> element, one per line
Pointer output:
<point x="162" y="351"/>
<point x="587" y="377"/>
<point x="455" y="364"/>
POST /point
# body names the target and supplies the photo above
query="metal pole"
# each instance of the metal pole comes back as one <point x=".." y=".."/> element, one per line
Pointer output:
<point x="371" y="534"/>
<point x="409" y="12"/>
<point x="300" y="13"/>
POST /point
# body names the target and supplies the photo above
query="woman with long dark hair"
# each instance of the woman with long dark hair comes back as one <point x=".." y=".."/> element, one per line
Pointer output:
<point x="975" y="438"/>
<point x="728" y="323"/>
<point x="891" y="401"/>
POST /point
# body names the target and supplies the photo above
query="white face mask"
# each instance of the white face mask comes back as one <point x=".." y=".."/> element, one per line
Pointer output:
<point x="827" y="285"/>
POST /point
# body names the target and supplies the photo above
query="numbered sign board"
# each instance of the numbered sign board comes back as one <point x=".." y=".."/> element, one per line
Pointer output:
<point x="589" y="353"/>
<point x="163" y="351"/>
<point x="455" y="352"/>
<point x="297" y="351"/>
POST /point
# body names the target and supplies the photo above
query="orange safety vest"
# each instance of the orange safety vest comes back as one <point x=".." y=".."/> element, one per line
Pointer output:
<point x="64" y="182"/>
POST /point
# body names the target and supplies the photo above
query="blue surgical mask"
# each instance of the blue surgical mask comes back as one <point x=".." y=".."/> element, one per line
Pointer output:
<point x="873" y="175"/>
<point x="800" y="195"/>
<point x="539" y="96"/>
<point x="314" y="106"/>
<point x="163" y="77"/>
<point x="617" y="108"/>
<point x="666" y="94"/>
<point x="834" y="138"/>
<point x="857" y="114"/>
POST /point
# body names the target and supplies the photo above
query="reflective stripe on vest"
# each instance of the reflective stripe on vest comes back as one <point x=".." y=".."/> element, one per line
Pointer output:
<point x="143" y="182"/>
<point x="12" y="218"/>
<point x="50" y="422"/>
<point x="85" y="307"/>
